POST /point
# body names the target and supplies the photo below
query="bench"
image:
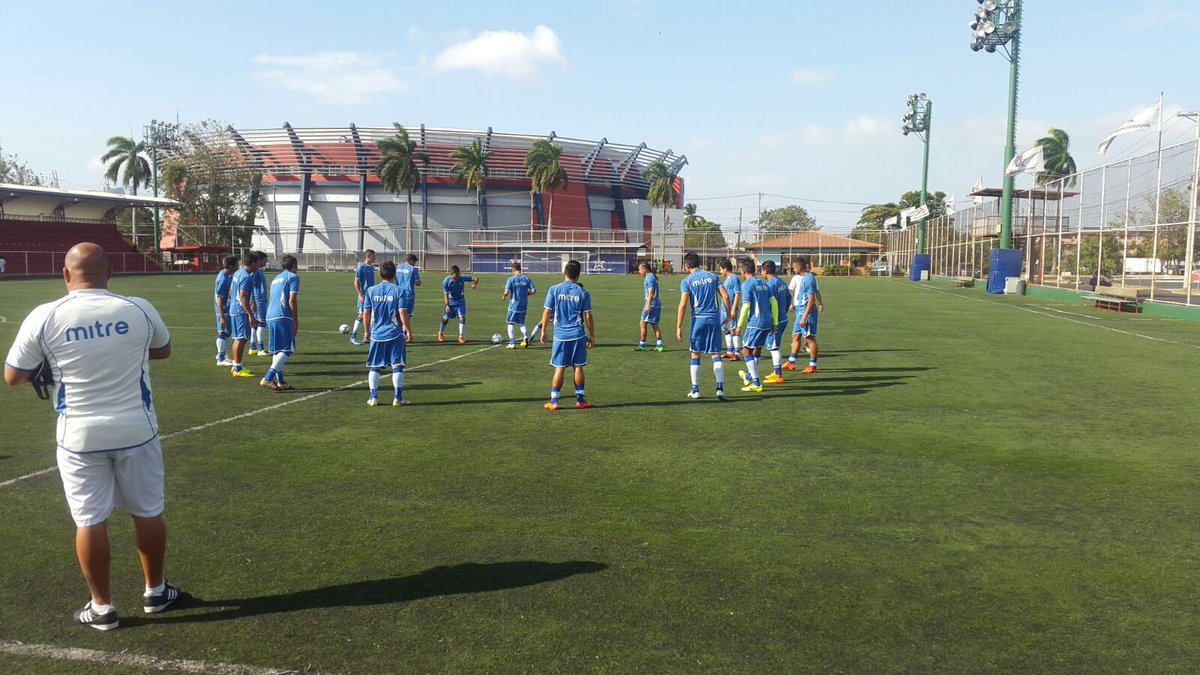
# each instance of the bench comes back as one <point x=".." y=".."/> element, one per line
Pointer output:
<point x="1115" y="299"/>
<point x="964" y="282"/>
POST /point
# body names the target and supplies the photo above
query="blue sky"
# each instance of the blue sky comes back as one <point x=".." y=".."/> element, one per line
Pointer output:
<point x="801" y="98"/>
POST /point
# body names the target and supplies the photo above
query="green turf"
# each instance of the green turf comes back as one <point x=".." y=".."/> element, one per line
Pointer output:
<point x="970" y="484"/>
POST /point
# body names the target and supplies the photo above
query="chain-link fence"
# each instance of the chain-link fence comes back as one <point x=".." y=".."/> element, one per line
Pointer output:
<point x="1130" y="224"/>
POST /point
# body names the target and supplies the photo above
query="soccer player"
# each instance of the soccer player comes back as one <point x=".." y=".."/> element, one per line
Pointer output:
<point x="258" y="343"/>
<point x="571" y="306"/>
<point x="517" y="290"/>
<point x="99" y="346"/>
<point x="808" y="304"/>
<point x="384" y="319"/>
<point x="221" y="305"/>
<point x="733" y="290"/>
<point x="652" y="310"/>
<point x="364" y="278"/>
<point x="758" y="317"/>
<point x="283" y="314"/>
<point x="241" y="312"/>
<point x="456" y="302"/>
<point x="783" y="297"/>
<point x="408" y="278"/>
<point x="707" y="297"/>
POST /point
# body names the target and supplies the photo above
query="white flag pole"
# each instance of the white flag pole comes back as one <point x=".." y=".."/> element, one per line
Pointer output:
<point x="1157" y="202"/>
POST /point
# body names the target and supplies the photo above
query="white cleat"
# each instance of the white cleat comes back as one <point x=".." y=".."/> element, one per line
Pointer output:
<point x="693" y="394"/>
<point x="720" y="394"/>
<point x="399" y="402"/>
<point x="225" y="363"/>
<point x="372" y="402"/>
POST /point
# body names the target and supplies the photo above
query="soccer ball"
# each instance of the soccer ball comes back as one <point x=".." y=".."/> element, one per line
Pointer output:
<point x="496" y="338"/>
<point x="343" y="329"/>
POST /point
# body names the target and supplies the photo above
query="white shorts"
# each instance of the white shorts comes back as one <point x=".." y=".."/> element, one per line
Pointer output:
<point x="95" y="483"/>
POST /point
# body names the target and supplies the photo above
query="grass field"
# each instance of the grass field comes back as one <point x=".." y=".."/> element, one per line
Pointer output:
<point x="970" y="484"/>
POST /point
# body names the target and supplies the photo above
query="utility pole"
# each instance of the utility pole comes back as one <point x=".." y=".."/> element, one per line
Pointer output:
<point x="919" y="120"/>
<point x="739" y="234"/>
<point x="758" y="222"/>
<point x="1190" y="256"/>
<point x="992" y="31"/>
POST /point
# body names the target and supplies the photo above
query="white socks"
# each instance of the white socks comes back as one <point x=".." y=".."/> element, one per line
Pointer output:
<point x="373" y="380"/>
<point x="261" y="334"/>
<point x="532" y="334"/>
<point x="776" y="358"/>
<point x="222" y="346"/>
<point x="510" y="333"/>
<point x="280" y="359"/>
<point x="718" y="371"/>
<point x="737" y="342"/>
<point x="695" y="370"/>
<point x="157" y="589"/>
<point x="752" y="367"/>
<point x="357" y="325"/>
<point x="398" y="382"/>
<point x="462" y="327"/>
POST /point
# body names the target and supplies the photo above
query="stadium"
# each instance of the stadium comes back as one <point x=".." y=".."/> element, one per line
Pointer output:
<point x="322" y="200"/>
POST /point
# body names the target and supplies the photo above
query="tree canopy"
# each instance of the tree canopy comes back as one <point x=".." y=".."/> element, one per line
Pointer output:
<point x="786" y="219"/>
<point x="14" y="170"/>
<point x="1056" y="146"/>
<point x="699" y="232"/>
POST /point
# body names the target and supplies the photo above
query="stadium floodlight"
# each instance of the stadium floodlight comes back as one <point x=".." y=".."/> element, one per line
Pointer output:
<point x="996" y="25"/>
<point x="918" y="120"/>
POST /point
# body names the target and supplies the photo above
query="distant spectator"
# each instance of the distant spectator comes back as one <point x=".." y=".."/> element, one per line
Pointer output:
<point x="3" y="265"/>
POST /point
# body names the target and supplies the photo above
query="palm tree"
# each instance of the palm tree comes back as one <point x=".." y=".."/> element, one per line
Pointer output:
<point x="1056" y="146"/>
<point x="662" y="193"/>
<point x="398" y="171"/>
<point x="544" y="167"/>
<point x="125" y="153"/>
<point x="471" y="169"/>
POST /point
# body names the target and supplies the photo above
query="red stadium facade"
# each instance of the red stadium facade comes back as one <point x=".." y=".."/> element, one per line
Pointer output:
<point x="320" y="195"/>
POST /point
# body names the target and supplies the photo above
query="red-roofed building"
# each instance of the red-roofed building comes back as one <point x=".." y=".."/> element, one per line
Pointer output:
<point x="822" y="248"/>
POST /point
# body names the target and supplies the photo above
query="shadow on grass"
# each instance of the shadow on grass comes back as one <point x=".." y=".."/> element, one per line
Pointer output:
<point x="833" y="354"/>
<point x="915" y="369"/>
<point x="434" y="582"/>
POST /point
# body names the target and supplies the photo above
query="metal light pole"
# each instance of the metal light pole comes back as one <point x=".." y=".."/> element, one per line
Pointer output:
<point x="150" y="138"/>
<point x="996" y="24"/>
<point x="919" y="120"/>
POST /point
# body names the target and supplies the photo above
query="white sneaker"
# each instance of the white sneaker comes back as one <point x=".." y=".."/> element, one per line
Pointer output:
<point x="720" y="394"/>
<point x="399" y="402"/>
<point x="693" y="394"/>
<point x="372" y="401"/>
<point x="225" y="363"/>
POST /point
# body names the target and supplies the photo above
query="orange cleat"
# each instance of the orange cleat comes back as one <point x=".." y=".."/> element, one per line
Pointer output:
<point x="773" y="379"/>
<point x="441" y="338"/>
<point x="462" y="341"/>
<point x="583" y="405"/>
<point x="809" y="370"/>
<point x="789" y="366"/>
<point x="551" y="406"/>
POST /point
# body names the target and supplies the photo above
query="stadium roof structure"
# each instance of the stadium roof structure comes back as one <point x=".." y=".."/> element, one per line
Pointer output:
<point x="813" y="240"/>
<point x="49" y="203"/>
<point x="351" y="151"/>
<point x="1047" y="195"/>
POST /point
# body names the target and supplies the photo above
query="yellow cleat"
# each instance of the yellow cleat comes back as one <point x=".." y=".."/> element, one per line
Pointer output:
<point x="773" y="379"/>
<point x="253" y="352"/>
<point x="524" y="344"/>
<point x="753" y="389"/>
<point x="240" y="373"/>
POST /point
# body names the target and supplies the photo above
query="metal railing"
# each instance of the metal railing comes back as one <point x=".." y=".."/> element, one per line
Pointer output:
<point x="32" y="263"/>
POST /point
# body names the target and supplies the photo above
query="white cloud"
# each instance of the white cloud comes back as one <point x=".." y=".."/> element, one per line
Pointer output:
<point x="866" y="128"/>
<point x="338" y="78"/>
<point x="808" y="76"/>
<point x="697" y="143"/>
<point x="498" y="52"/>
<point x="96" y="165"/>
<point x="815" y="134"/>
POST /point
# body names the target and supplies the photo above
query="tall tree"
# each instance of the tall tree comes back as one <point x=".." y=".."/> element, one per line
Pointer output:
<point x="699" y="232"/>
<point x="786" y="219"/>
<point x="399" y="169"/>
<point x="1056" y="149"/>
<point x="471" y="169"/>
<point x="662" y="193"/>
<point x="127" y="164"/>
<point x="543" y="166"/>
<point x="14" y="170"/>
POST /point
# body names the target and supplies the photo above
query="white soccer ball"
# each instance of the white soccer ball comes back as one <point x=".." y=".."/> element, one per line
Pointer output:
<point x="496" y="338"/>
<point x="343" y="329"/>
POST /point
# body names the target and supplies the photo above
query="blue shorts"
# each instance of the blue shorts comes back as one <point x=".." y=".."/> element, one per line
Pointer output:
<point x="808" y="328"/>
<point x="706" y="337"/>
<point x="653" y="315"/>
<point x="407" y="304"/>
<point x="260" y="310"/>
<point x="223" y="331"/>
<point x="754" y="338"/>
<point x="569" y="353"/>
<point x="239" y="326"/>
<point x="362" y="306"/>
<point x="387" y="354"/>
<point x="456" y="311"/>
<point x="775" y="340"/>
<point x="280" y="338"/>
<point x="516" y="317"/>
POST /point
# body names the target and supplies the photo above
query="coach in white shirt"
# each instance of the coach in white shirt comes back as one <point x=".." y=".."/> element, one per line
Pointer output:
<point x="98" y="346"/>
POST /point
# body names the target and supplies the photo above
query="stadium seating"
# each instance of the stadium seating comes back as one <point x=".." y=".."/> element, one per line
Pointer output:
<point x="37" y="247"/>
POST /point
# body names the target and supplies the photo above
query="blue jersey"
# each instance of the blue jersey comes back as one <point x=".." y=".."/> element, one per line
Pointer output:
<point x="732" y="286"/>
<point x="407" y="278"/>
<point x="783" y="297"/>
<point x="384" y="301"/>
<point x="283" y="286"/>
<point x="260" y="287"/>
<point x="518" y="288"/>
<point x="242" y="281"/>
<point x="701" y="288"/>
<point x="568" y="302"/>
<point x="805" y="289"/>
<point x="758" y="295"/>
<point x="221" y="290"/>
<point x="454" y="288"/>
<point x="651" y="283"/>
<point x="365" y="274"/>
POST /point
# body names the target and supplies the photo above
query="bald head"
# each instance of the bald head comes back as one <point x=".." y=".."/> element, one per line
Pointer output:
<point x="86" y="266"/>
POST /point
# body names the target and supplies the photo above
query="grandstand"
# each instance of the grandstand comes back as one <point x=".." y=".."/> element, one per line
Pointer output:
<point x="38" y="225"/>
<point x="321" y="199"/>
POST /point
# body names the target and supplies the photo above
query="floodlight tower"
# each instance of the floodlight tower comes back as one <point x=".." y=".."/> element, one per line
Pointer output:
<point x="997" y="25"/>
<point x="918" y="120"/>
<point x="152" y="138"/>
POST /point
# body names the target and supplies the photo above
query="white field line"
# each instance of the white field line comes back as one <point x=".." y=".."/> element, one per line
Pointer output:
<point x="259" y="411"/>
<point x="1055" y="316"/>
<point x="127" y="660"/>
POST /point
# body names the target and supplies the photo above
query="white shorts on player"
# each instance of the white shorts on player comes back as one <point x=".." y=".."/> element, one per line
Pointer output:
<point x="96" y="483"/>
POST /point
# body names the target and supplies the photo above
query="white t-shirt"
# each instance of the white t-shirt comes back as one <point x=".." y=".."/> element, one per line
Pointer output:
<point x="98" y="346"/>
<point x="794" y="287"/>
